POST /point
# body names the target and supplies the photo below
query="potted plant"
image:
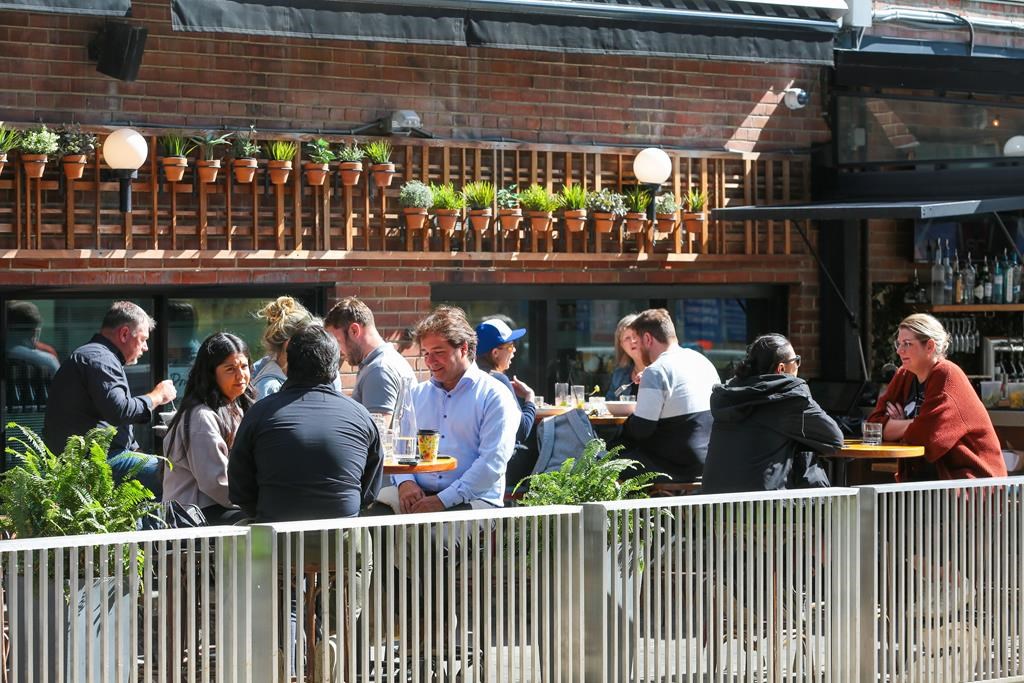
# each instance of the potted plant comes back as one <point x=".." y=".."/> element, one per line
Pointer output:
<point x="176" y="151"/>
<point x="47" y="495"/>
<point x="208" y="143"/>
<point x="447" y="205"/>
<point x="479" y="196"/>
<point x="319" y="164"/>
<point x="245" y="152"/>
<point x="9" y="139"/>
<point x="695" y="202"/>
<point x="75" y="146"/>
<point x="351" y="166"/>
<point x="539" y="204"/>
<point x="379" y="154"/>
<point x="574" y="207"/>
<point x="280" y="154"/>
<point x="415" y="198"/>
<point x="509" y="213"/>
<point x="36" y="144"/>
<point x="637" y="201"/>
<point x="606" y="207"/>
<point x="665" y="209"/>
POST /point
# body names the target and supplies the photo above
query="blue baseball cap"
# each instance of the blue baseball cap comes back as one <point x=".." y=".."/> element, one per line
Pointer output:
<point x="490" y="334"/>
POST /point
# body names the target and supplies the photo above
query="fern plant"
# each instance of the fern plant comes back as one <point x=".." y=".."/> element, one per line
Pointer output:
<point x="281" y="150"/>
<point x="446" y="197"/>
<point x="536" y="198"/>
<point x="573" y="197"/>
<point x="67" y="494"/>
<point x="593" y="477"/>
<point x="378" y="151"/>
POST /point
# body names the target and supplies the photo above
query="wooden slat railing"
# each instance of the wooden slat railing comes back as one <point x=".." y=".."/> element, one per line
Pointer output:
<point x="53" y="213"/>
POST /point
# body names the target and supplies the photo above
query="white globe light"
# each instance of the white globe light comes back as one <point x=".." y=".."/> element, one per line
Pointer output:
<point x="1014" y="147"/>
<point x="125" y="149"/>
<point x="652" y="166"/>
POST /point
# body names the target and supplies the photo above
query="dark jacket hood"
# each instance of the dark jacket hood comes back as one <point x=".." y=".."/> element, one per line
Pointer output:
<point x="738" y="398"/>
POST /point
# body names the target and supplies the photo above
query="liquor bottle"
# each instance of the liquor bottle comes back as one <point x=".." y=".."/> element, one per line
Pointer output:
<point x="997" y="280"/>
<point x="910" y="296"/>
<point x="958" y="280"/>
<point x="938" y="276"/>
<point x="1016" y="278"/>
<point x="947" y="277"/>
<point x="1007" y="295"/>
<point x="970" y="274"/>
<point x="986" y="282"/>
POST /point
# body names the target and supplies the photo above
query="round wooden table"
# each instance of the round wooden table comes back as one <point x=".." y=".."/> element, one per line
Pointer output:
<point x="444" y="463"/>
<point x="855" y="449"/>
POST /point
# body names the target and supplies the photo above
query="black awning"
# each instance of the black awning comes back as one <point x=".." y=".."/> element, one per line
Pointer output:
<point x="103" y="8"/>
<point x="914" y="210"/>
<point x="799" y="31"/>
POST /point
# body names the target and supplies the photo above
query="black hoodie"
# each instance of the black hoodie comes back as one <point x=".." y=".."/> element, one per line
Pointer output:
<point x="761" y="425"/>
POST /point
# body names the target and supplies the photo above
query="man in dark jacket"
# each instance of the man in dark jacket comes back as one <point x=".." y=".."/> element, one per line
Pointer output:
<point x="767" y="428"/>
<point x="306" y="452"/>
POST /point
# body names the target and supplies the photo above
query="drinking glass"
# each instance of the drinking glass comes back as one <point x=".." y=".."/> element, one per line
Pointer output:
<point x="561" y="394"/>
<point x="629" y="398"/>
<point x="538" y="401"/>
<point x="872" y="433"/>
<point x="387" y="442"/>
<point x="598" y="406"/>
<point x="579" y="396"/>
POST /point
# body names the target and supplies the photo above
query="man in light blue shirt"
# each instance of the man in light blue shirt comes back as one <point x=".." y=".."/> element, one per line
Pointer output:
<point x="475" y="415"/>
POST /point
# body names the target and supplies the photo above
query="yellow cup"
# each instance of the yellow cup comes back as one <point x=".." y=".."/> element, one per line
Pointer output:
<point x="428" y="442"/>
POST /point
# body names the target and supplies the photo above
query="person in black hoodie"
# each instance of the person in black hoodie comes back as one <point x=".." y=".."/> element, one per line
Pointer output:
<point x="767" y="429"/>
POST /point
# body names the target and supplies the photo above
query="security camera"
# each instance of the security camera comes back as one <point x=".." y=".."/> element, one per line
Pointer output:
<point x="796" y="98"/>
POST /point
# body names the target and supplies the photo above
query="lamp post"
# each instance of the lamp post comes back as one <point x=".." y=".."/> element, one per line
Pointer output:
<point x="125" y="150"/>
<point x="652" y="167"/>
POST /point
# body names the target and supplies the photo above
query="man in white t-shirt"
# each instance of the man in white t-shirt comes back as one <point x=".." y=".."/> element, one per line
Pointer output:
<point x="669" y="430"/>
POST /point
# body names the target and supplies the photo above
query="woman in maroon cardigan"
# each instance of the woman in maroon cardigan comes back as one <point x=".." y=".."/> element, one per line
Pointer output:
<point x="931" y="403"/>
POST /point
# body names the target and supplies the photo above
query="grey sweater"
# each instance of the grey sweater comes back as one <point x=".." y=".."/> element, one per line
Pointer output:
<point x="199" y="463"/>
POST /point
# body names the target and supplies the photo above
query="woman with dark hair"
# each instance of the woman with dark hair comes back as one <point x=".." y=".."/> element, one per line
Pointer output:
<point x="200" y="435"/>
<point x="767" y="428"/>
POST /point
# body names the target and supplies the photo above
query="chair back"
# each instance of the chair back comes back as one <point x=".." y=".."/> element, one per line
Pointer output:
<point x="561" y="437"/>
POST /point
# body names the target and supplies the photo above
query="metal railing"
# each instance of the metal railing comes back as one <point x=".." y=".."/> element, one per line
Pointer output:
<point x="892" y="583"/>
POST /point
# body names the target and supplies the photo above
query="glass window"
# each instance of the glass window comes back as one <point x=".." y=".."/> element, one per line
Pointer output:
<point x="716" y="327"/>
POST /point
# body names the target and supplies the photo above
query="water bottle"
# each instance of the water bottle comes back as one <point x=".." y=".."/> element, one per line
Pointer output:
<point x="403" y="422"/>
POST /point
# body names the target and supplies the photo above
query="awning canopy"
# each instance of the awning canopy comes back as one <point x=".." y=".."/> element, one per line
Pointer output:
<point x="860" y="210"/>
<point x="108" y="8"/>
<point x="795" y="31"/>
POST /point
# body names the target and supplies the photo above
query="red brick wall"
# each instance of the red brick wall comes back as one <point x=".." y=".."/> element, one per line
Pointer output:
<point x="970" y="9"/>
<point x="223" y="80"/>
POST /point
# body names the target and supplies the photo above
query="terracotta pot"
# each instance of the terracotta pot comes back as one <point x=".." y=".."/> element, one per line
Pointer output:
<point x="279" y="171"/>
<point x="509" y="219"/>
<point x="666" y="222"/>
<point x="480" y="219"/>
<point x="603" y="221"/>
<point x="636" y="222"/>
<point x="74" y="166"/>
<point x="3" y="161"/>
<point x="446" y="218"/>
<point x="350" y="172"/>
<point x="382" y="174"/>
<point x="245" y="169"/>
<point x="208" y="170"/>
<point x="34" y="164"/>
<point x="316" y="173"/>
<point x="540" y="221"/>
<point x="694" y="222"/>
<point x="174" y="168"/>
<point x="415" y="217"/>
<point x="575" y="219"/>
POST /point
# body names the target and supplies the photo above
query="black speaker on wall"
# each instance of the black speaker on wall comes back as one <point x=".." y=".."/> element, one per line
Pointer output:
<point x="117" y="49"/>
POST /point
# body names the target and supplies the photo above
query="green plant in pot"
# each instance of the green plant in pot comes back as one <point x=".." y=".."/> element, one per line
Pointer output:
<point x="694" y="213"/>
<point x="606" y="207"/>
<point x="36" y="145"/>
<point x="538" y="204"/>
<point x="351" y="164"/>
<point x="280" y="154"/>
<point x="175" y="160"/>
<point x="245" y="152"/>
<point x="574" y="207"/>
<point x="509" y="213"/>
<point x="207" y="143"/>
<point x="448" y="203"/>
<point x="637" y="201"/>
<point x="320" y="157"/>
<point x="379" y="154"/>
<point x="9" y="139"/>
<point x="479" y="196"/>
<point x="415" y="198"/>
<point x="74" y="146"/>
<point x="73" y="493"/>
<point x="665" y="209"/>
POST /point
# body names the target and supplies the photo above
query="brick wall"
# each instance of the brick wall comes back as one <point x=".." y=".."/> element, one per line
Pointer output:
<point x="970" y="9"/>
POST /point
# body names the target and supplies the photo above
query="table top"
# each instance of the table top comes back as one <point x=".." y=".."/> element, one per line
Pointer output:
<point x="859" y="450"/>
<point x="602" y="421"/>
<point x="443" y="463"/>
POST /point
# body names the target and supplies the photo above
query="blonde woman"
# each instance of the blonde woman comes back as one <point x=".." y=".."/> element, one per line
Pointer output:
<point x="629" y="362"/>
<point x="285" y="316"/>
<point x="931" y="403"/>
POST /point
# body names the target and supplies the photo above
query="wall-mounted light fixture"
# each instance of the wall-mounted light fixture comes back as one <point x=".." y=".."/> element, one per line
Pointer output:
<point x="1014" y="147"/>
<point x="652" y="167"/>
<point x="125" y="150"/>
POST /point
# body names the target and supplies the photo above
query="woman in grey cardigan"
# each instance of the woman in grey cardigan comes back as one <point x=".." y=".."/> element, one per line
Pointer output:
<point x="200" y="435"/>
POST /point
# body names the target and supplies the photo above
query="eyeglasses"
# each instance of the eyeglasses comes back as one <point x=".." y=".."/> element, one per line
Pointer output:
<point x="794" y="359"/>
<point x="903" y="345"/>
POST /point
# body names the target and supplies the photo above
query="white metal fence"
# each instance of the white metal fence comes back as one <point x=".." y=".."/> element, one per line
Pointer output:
<point x="891" y="583"/>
